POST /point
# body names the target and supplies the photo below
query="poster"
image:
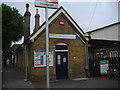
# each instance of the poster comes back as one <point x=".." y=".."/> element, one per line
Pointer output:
<point x="103" y="67"/>
<point x="46" y="3"/>
<point x="40" y="59"/>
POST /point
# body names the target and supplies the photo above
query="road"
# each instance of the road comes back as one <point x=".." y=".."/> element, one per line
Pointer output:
<point x="13" y="78"/>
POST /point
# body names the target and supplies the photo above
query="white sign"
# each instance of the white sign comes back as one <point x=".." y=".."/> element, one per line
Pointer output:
<point x="40" y="59"/>
<point x="62" y="36"/>
<point x="104" y="67"/>
<point x="46" y="3"/>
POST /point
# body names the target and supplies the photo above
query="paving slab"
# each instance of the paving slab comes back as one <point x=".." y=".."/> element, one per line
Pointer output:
<point x="13" y="78"/>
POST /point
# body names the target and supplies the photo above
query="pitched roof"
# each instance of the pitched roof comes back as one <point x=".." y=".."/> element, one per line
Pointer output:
<point x="51" y="18"/>
<point x="103" y="27"/>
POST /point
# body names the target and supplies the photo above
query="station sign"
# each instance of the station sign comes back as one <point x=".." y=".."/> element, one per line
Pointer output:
<point x="46" y="3"/>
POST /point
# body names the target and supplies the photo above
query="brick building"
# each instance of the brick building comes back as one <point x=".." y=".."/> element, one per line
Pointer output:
<point x="67" y="45"/>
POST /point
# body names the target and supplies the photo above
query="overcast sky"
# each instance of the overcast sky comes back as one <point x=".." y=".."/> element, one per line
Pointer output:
<point x="89" y="15"/>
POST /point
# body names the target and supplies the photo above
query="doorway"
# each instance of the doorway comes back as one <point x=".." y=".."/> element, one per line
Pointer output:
<point x="61" y="61"/>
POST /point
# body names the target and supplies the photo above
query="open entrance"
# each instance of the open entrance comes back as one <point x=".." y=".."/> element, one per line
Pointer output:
<point x="61" y="61"/>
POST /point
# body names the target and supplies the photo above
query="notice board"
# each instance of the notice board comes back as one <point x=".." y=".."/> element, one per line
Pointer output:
<point x="40" y="58"/>
<point x="103" y="67"/>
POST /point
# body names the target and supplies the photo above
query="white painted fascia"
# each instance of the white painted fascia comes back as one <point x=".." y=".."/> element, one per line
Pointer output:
<point x="39" y="31"/>
<point x="73" y="23"/>
<point x="43" y="27"/>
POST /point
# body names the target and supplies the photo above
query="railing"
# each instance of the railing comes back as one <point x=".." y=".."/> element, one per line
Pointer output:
<point x="113" y="65"/>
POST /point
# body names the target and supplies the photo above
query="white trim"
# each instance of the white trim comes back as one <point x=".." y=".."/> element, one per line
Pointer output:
<point x="55" y="15"/>
<point x="73" y="23"/>
<point x="61" y="44"/>
<point x="62" y="36"/>
<point x="80" y="38"/>
<point x="61" y="50"/>
<point x="39" y="31"/>
<point x="43" y="27"/>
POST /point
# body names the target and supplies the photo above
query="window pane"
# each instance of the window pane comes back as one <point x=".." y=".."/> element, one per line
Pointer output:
<point x="61" y="47"/>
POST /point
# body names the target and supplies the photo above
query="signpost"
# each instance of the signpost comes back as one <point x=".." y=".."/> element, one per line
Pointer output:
<point x="47" y="4"/>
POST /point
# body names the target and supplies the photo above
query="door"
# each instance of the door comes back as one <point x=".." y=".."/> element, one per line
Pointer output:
<point x="61" y="65"/>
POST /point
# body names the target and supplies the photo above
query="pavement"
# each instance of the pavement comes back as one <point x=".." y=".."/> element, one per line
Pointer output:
<point x="13" y="78"/>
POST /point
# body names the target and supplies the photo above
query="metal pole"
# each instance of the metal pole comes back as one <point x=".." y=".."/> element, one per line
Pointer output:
<point x="47" y="48"/>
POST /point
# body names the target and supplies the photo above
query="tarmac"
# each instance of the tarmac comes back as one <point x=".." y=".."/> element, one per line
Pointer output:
<point x="13" y="78"/>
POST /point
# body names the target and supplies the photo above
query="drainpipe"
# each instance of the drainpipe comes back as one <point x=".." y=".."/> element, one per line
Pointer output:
<point x="86" y="58"/>
<point x="26" y="63"/>
<point x="86" y="53"/>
